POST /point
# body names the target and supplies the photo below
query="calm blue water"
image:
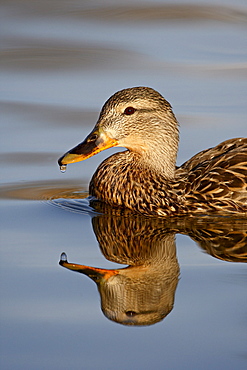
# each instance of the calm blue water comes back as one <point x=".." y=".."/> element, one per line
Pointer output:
<point x="59" y="62"/>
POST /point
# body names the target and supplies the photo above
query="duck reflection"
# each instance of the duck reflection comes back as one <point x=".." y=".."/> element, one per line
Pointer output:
<point x="222" y="238"/>
<point x="143" y="293"/>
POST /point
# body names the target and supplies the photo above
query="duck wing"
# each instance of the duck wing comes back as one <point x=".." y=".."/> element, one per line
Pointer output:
<point x="216" y="178"/>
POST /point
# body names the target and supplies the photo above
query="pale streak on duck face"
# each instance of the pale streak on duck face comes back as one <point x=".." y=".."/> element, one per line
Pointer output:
<point x="151" y="131"/>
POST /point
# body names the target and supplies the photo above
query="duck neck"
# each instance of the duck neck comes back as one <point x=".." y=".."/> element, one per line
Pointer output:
<point x="162" y="163"/>
<point x="161" y="155"/>
<point x="161" y="145"/>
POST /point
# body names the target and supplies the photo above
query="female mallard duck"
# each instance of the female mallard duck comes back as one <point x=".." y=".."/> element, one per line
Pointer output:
<point x="145" y="178"/>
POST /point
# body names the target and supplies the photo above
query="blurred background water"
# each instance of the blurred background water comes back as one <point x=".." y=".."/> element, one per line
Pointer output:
<point x="60" y="61"/>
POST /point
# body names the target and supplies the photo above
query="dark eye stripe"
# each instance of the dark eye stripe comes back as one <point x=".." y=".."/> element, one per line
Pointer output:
<point x="129" y="110"/>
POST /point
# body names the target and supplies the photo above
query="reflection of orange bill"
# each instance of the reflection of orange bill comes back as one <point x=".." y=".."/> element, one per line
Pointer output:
<point x="94" y="273"/>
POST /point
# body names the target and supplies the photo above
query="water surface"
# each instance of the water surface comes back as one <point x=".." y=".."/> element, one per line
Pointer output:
<point x="59" y="62"/>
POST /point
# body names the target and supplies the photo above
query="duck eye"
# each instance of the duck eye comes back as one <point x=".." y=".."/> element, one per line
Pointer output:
<point x="129" y="110"/>
<point x="93" y="137"/>
<point x="130" y="313"/>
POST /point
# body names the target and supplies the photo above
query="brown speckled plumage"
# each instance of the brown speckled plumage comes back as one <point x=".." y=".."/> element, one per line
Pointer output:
<point x="144" y="178"/>
<point x="212" y="181"/>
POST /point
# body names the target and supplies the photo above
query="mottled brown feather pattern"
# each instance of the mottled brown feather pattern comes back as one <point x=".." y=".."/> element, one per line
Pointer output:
<point x="214" y="180"/>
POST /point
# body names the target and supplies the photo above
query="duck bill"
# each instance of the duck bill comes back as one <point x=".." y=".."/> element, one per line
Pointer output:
<point x="94" y="143"/>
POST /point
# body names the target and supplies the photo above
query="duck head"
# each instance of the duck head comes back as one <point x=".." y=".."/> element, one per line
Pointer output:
<point x="139" y="119"/>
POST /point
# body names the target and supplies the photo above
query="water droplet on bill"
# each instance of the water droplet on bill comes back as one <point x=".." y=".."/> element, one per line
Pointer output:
<point x="63" y="257"/>
<point x="63" y="168"/>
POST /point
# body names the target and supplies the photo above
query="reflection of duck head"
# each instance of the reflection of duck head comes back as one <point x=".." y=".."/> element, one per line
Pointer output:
<point x="142" y="293"/>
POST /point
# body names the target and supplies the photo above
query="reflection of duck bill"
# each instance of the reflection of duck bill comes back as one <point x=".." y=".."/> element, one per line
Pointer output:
<point x="96" y="274"/>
